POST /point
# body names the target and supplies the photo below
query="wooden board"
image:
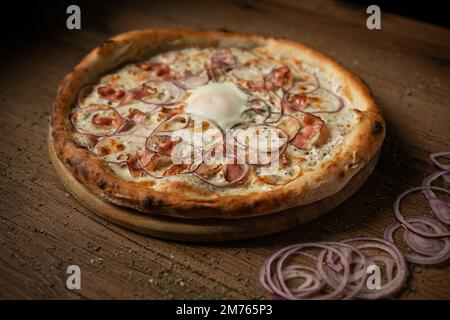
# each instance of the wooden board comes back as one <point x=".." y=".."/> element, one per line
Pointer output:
<point x="205" y="230"/>
<point x="43" y="229"/>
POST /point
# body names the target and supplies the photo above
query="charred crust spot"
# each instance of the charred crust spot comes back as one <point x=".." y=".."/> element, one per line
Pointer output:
<point x="106" y="42"/>
<point x="377" y="127"/>
<point x="84" y="172"/>
<point x="69" y="162"/>
<point x="148" y="202"/>
<point x="224" y="29"/>
<point x="101" y="184"/>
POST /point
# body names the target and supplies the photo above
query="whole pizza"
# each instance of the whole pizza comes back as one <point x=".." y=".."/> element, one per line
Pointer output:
<point x="201" y="124"/>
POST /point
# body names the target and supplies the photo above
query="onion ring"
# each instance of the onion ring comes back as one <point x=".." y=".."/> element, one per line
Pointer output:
<point x="440" y="209"/>
<point x="404" y="221"/>
<point x="175" y="91"/>
<point x="396" y="284"/>
<point x="430" y="251"/>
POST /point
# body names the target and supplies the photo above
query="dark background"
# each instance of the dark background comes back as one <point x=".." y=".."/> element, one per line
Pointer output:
<point x="24" y="19"/>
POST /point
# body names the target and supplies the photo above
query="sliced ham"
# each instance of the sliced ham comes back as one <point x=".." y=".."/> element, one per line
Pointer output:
<point x="222" y="59"/>
<point x="110" y="93"/>
<point x="310" y="132"/>
<point x="161" y="70"/>
<point x="143" y="91"/>
<point x="145" y="156"/>
<point x="161" y="144"/>
<point x="135" y="114"/>
<point x="127" y="127"/>
<point x="99" y="120"/>
<point x="278" y="78"/>
<point x="133" y="161"/>
<point x="235" y="172"/>
<point x="297" y="102"/>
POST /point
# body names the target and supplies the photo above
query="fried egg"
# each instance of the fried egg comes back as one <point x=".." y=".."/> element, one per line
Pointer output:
<point x="222" y="103"/>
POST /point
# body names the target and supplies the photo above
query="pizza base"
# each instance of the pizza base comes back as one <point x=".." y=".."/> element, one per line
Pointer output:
<point x="206" y="230"/>
<point x="360" y="145"/>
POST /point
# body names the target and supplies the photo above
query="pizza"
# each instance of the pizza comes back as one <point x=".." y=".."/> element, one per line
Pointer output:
<point x="199" y="124"/>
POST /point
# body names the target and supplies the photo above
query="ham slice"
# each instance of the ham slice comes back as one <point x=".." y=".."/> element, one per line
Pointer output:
<point x="143" y="91"/>
<point x="145" y="156"/>
<point x="110" y="93"/>
<point x="235" y="172"/>
<point x="310" y="132"/>
<point x="297" y="102"/>
<point x="161" y="70"/>
<point x="223" y="59"/>
<point x="161" y="144"/>
<point x="278" y="78"/>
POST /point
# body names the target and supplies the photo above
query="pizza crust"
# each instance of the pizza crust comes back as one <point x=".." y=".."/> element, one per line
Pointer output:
<point x="361" y="142"/>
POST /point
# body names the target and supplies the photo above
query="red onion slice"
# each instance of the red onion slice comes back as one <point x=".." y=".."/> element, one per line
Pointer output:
<point x="346" y="283"/>
<point x="223" y="59"/>
<point x="305" y="86"/>
<point x="409" y="226"/>
<point x="350" y="289"/>
<point x="174" y="123"/>
<point x="434" y="156"/>
<point x="167" y="93"/>
<point x="154" y="119"/>
<point x="230" y="174"/>
<point x="168" y="167"/>
<point x="396" y="284"/>
<point x="276" y="282"/>
<point x="289" y="125"/>
<point x="430" y="251"/>
<point x="425" y="246"/>
<point x="278" y="78"/>
<point x="440" y="209"/>
<point x="128" y="127"/>
<point x="334" y="100"/>
<point x="222" y="168"/>
<point x="115" y="149"/>
<point x="192" y="82"/>
<point x="160" y="144"/>
<point x="85" y="120"/>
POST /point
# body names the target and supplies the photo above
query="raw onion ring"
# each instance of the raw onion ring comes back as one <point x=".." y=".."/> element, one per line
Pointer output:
<point x="397" y="282"/>
<point x="434" y="156"/>
<point x="171" y="87"/>
<point x="410" y="227"/>
<point x="276" y="284"/>
<point x="440" y="208"/>
<point x="192" y="82"/>
<point x="429" y="251"/>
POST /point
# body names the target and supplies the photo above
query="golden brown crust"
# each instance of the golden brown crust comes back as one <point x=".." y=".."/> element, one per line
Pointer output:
<point x="361" y="143"/>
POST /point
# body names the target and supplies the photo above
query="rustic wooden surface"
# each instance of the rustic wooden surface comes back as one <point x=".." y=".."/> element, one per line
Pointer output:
<point x="43" y="230"/>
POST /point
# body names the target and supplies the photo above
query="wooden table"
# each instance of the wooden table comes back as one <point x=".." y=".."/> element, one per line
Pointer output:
<point x="43" y="229"/>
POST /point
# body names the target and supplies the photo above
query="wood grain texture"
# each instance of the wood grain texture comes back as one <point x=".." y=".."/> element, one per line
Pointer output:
<point x="43" y="229"/>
